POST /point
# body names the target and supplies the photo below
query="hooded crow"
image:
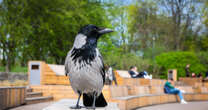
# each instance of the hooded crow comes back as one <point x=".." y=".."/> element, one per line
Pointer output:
<point x="85" y="68"/>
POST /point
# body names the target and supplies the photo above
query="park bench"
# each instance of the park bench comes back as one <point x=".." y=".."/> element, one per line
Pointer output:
<point x="131" y="97"/>
<point x="123" y="78"/>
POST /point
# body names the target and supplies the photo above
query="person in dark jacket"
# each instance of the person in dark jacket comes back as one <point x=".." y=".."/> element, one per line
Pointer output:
<point x="111" y="75"/>
<point x="133" y="72"/>
<point x="170" y="89"/>
<point x="206" y="75"/>
<point x="199" y="75"/>
<point x="187" y="70"/>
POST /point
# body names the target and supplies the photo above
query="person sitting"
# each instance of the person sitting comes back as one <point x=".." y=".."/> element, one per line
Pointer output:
<point x="193" y="75"/>
<point x="206" y="75"/>
<point x="146" y="76"/>
<point x="133" y="72"/>
<point x="199" y="75"/>
<point x="170" y="89"/>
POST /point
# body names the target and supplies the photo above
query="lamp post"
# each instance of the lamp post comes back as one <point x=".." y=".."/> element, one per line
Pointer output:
<point x="153" y="56"/>
<point x="153" y="46"/>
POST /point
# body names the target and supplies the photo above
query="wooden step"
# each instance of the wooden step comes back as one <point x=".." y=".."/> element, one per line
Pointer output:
<point x="34" y="100"/>
<point x="29" y="89"/>
<point x="34" y="94"/>
<point x="138" y="101"/>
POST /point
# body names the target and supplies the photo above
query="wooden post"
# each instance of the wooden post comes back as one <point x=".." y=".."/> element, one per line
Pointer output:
<point x="172" y="73"/>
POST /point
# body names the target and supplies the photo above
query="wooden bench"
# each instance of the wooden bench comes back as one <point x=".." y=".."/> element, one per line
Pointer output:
<point x="12" y="97"/>
<point x="132" y="102"/>
<point x="191" y="81"/>
<point x="123" y="78"/>
<point x="130" y="97"/>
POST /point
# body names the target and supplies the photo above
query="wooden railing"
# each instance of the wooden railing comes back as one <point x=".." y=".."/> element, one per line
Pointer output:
<point x="11" y="97"/>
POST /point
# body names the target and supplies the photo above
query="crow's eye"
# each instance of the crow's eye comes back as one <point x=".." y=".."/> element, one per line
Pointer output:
<point x="94" y="30"/>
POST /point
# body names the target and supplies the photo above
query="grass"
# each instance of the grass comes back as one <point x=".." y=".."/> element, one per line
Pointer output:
<point x="19" y="69"/>
<point x="14" y="69"/>
<point x="2" y="68"/>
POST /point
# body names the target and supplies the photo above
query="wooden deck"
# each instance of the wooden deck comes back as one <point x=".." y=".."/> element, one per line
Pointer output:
<point x="11" y="97"/>
<point x="130" y="93"/>
<point x="128" y="97"/>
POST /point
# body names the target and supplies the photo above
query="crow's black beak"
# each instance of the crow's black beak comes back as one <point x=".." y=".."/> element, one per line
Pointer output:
<point x="104" y="31"/>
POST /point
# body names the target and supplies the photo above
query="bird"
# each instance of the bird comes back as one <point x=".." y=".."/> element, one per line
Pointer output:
<point x="85" y="68"/>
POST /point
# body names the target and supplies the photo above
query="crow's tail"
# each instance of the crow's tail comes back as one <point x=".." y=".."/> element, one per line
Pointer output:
<point x="88" y="100"/>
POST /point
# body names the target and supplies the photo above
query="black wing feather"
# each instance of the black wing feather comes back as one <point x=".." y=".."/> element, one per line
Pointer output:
<point x="102" y="69"/>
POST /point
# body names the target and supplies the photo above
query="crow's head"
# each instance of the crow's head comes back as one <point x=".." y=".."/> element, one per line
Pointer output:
<point x="94" y="31"/>
<point x="88" y="35"/>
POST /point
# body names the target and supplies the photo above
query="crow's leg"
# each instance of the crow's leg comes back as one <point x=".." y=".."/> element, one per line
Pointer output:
<point x="77" y="106"/>
<point x="94" y="99"/>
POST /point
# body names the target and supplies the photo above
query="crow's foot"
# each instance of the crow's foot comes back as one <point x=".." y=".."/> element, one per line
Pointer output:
<point x="91" y="108"/>
<point x="76" y="107"/>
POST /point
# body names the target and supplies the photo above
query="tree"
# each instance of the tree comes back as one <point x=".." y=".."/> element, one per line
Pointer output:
<point x="169" y="22"/>
<point x="183" y="14"/>
<point x="44" y="30"/>
<point x="10" y="30"/>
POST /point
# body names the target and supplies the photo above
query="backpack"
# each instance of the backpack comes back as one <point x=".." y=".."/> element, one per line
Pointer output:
<point x="166" y="89"/>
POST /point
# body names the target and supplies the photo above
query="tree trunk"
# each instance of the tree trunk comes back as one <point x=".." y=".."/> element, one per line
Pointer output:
<point x="8" y="64"/>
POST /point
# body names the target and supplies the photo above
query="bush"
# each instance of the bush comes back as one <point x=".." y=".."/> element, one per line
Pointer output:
<point x="203" y="57"/>
<point x="179" y="60"/>
<point x="124" y="61"/>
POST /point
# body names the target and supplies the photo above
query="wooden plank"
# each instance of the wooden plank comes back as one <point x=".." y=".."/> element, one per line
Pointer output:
<point x="19" y="96"/>
<point x="11" y="96"/>
<point x="144" y="82"/>
<point x="132" y="103"/>
<point x="190" y="81"/>
<point x="122" y="104"/>
<point x="143" y="101"/>
<point x="2" y="99"/>
<point x="171" y="98"/>
<point x="123" y="91"/>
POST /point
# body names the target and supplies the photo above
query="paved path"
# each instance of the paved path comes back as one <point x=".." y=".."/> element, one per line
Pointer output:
<point x="38" y="106"/>
<point x="171" y="106"/>
<point x="63" y="104"/>
<point x="176" y="106"/>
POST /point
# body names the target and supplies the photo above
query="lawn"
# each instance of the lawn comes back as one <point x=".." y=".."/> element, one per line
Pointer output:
<point x="15" y="69"/>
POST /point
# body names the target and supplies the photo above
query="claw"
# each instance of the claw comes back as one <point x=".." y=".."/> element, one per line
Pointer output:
<point x="91" y="108"/>
<point x="76" y="107"/>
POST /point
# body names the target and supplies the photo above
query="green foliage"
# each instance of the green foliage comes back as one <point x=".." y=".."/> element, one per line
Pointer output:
<point x="57" y="25"/>
<point x="203" y="57"/>
<point x="204" y="43"/>
<point x="205" y="12"/>
<point x="2" y="68"/>
<point x="179" y="60"/>
<point x="19" y="69"/>
<point x="16" y="68"/>
<point x="44" y="30"/>
<point x="124" y="61"/>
